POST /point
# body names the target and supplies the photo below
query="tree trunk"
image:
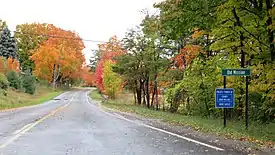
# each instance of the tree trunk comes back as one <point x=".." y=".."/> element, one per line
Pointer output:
<point x="238" y="23"/>
<point x="174" y="107"/>
<point x="260" y="5"/>
<point x="153" y="97"/>
<point x="157" y="97"/>
<point x="163" y="103"/>
<point x="188" y="104"/>
<point x="147" y="92"/>
<point x="209" y="53"/>
<point x="53" y="76"/>
<point x="156" y="93"/>
<point x="270" y="31"/>
<point x="56" y="70"/>
<point x="138" y="92"/>
<point x="207" y="107"/>
<point x="139" y="96"/>
<point x="135" y="97"/>
<point x="143" y="94"/>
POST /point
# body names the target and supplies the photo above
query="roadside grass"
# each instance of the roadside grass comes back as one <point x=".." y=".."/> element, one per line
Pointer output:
<point x="15" y="99"/>
<point x="94" y="94"/>
<point x="260" y="134"/>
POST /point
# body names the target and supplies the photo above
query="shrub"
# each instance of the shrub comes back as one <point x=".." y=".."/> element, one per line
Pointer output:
<point x="29" y="83"/>
<point x="14" y="79"/>
<point x="4" y="83"/>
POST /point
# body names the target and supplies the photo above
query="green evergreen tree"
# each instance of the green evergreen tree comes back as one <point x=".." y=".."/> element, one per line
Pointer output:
<point x="14" y="79"/>
<point x="29" y="83"/>
<point x="7" y="44"/>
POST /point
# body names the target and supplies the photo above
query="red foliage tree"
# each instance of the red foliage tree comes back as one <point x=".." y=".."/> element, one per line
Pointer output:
<point x="108" y="51"/>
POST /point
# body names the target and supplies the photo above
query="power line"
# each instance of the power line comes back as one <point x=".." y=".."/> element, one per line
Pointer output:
<point x="55" y="36"/>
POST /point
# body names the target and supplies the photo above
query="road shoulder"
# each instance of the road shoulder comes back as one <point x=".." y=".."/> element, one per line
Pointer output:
<point x="220" y="141"/>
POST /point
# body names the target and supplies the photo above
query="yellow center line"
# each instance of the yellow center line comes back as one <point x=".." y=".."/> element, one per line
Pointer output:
<point x="20" y="130"/>
<point x="28" y="127"/>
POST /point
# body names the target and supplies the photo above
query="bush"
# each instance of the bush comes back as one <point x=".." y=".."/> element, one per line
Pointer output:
<point x="4" y="83"/>
<point x="29" y="83"/>
<point x="14" y="79"/>
<point x="42" y="82"/>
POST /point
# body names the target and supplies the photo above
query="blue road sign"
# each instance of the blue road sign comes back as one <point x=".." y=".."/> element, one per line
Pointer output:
<point x="224" y="98"/>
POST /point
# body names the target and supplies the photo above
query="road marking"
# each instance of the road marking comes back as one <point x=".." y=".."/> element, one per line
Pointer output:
<point x="154" y="128"/>
<point x="20" y="130"/>
<point x="28" y="127"/>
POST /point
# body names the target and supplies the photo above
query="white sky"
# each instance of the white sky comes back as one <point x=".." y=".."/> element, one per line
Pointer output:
<point x="92" y="19"/>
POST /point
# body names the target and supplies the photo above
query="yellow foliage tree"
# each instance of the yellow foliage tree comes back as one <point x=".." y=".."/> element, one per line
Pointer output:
<point x="112" y="81"/>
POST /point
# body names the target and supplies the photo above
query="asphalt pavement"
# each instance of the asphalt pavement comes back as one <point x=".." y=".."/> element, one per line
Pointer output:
<point x="72" y="125"/>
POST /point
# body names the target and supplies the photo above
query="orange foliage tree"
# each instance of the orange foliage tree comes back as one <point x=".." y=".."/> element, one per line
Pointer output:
<point x="28" y="39"/>
<point x="8" y="65"/>
<point x="59" y="59"/>
<point x="88" y="77"/>
<point x="187" y="54"/>
<point x="13" y="64"/>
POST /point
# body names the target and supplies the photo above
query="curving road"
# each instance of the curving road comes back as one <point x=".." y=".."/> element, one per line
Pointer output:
<point x="72" y="125"/>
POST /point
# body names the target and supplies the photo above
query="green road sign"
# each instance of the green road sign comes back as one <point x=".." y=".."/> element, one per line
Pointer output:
<point x="236" y="72"/>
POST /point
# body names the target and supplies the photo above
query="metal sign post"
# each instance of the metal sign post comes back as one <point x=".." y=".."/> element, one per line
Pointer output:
<point x="224" y="99"/>
<point x="224" y="109"/>
<point x="238" y="72"/>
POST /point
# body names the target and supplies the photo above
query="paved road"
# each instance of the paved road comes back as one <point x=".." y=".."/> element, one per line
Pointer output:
<point x="72" y="126"/>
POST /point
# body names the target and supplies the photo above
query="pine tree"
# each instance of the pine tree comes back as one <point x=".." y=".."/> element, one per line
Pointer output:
<point x="7" y="44"/>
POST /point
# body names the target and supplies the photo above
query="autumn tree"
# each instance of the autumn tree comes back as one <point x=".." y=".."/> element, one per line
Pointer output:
<point x="244" y="37"/>
<point x="131" y="66"/>
<point x="107" y="52"/>
<point x="112" y="82"/>
<point x="146" y="57"/>
<point x="158" y="51"/>
<point x="182" y="50"/>
<point x="59" y="60"/>
<point x="13" y="64"/>
<point x="28" y="38"/>
<point x="87" y="76"/>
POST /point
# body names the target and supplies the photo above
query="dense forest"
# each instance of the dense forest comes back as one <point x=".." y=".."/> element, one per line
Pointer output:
<point x="175" y="57"/>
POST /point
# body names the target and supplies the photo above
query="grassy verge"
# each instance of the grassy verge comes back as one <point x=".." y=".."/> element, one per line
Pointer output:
<point x="15" y="99"/>
<point x="94" y="94"/>
<point x="259" y="134"/>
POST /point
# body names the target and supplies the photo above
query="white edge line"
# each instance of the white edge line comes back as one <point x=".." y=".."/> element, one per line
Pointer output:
<point x="28" y="127"/>
<point x="154" y="128"/>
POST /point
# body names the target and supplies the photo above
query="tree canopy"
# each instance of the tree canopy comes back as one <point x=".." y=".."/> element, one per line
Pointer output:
<point x="179" y="52"/>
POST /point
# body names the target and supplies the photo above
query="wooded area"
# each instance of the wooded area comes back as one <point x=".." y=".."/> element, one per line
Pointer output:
<point x="41" y="52"/>
<point x="179" y="52"/>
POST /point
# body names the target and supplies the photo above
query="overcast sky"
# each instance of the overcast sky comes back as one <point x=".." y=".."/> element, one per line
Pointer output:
<point x="92" y="19"/>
